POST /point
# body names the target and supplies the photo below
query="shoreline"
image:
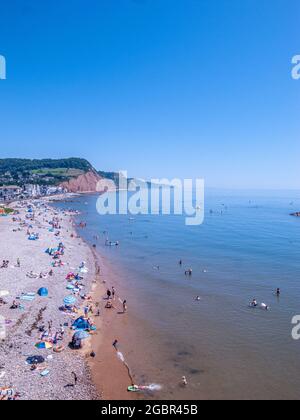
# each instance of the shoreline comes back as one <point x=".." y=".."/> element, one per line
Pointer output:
<point x="105" y="364"/>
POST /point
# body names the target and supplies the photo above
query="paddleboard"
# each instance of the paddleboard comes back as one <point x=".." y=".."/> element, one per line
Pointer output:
<point x="133" y="389"/>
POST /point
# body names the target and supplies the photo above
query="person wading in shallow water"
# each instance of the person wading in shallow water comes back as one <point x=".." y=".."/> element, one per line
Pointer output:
<point x="124" y="306"/>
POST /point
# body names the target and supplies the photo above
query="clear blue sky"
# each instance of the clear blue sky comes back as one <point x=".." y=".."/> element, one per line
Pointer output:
<point x="162" y="88"/>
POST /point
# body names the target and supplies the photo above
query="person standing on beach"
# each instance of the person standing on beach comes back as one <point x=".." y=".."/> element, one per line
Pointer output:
<point x="113" y="292"/>
<point x="108" y="294"/>
<point x="62" y="330"/>
<point x="124" y="306"/>
<point x="18" y="263"/>
<point x="75" y="378"/>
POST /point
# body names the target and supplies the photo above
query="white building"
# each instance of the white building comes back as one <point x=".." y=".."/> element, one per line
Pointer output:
<point x="32" y="190"/>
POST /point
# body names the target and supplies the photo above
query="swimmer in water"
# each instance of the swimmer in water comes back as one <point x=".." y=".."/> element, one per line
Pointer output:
<point x="198" y="298"/>
<point x="254" y="303"/>
<point x="278" y="292"/>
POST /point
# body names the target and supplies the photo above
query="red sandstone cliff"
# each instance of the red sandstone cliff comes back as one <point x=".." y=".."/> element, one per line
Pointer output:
<point x="83" y="183"/>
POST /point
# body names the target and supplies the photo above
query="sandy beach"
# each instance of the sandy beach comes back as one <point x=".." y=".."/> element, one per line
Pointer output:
<point x="22" y="325"/>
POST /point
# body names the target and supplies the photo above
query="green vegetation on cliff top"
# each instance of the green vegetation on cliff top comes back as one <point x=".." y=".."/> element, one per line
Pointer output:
<point x="41" y="171"/>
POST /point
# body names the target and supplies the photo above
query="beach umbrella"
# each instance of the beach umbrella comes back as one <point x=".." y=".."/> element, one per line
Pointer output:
<point x="81" y="335"/>
<point x="44" y="345"/>
<point x="69" y="300"/>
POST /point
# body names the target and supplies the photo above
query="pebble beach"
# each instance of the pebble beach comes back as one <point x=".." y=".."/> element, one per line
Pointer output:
<point x="26" y="271"/>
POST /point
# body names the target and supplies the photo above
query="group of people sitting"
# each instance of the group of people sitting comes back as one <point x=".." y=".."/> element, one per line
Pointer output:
<point x="49" y="335"/>
<point x="15" y="305"/>
<point x="5" y="264"/>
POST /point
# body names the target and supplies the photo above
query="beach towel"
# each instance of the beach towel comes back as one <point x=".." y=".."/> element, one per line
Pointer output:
<point x="28" y="297"/>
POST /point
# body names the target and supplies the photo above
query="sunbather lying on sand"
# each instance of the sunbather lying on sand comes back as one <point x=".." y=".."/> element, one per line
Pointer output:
<point x="32" y="275"/>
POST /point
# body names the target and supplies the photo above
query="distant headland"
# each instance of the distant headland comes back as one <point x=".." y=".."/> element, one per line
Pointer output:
<point x="31" y="178"/>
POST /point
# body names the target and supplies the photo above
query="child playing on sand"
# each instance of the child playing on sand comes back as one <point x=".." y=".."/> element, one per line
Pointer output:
<point x="184" y="381"/>
<point x="109" y="305"/>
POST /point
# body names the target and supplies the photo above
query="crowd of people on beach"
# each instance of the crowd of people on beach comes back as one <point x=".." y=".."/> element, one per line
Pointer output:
<point x="79" y="307"/>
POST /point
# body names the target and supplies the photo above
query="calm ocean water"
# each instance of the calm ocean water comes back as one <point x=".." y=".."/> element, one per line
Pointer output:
<point x="247" y="248"/>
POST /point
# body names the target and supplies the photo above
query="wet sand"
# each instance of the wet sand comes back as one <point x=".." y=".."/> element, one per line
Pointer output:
<point x="109" y="373"/>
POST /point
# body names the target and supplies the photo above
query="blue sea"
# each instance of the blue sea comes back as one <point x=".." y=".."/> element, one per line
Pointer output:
<point x="247" y="247"/>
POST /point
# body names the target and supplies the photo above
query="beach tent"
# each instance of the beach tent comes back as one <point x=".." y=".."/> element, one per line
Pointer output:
<point x="43" y="292"/>
<point x="81" y="324"/>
